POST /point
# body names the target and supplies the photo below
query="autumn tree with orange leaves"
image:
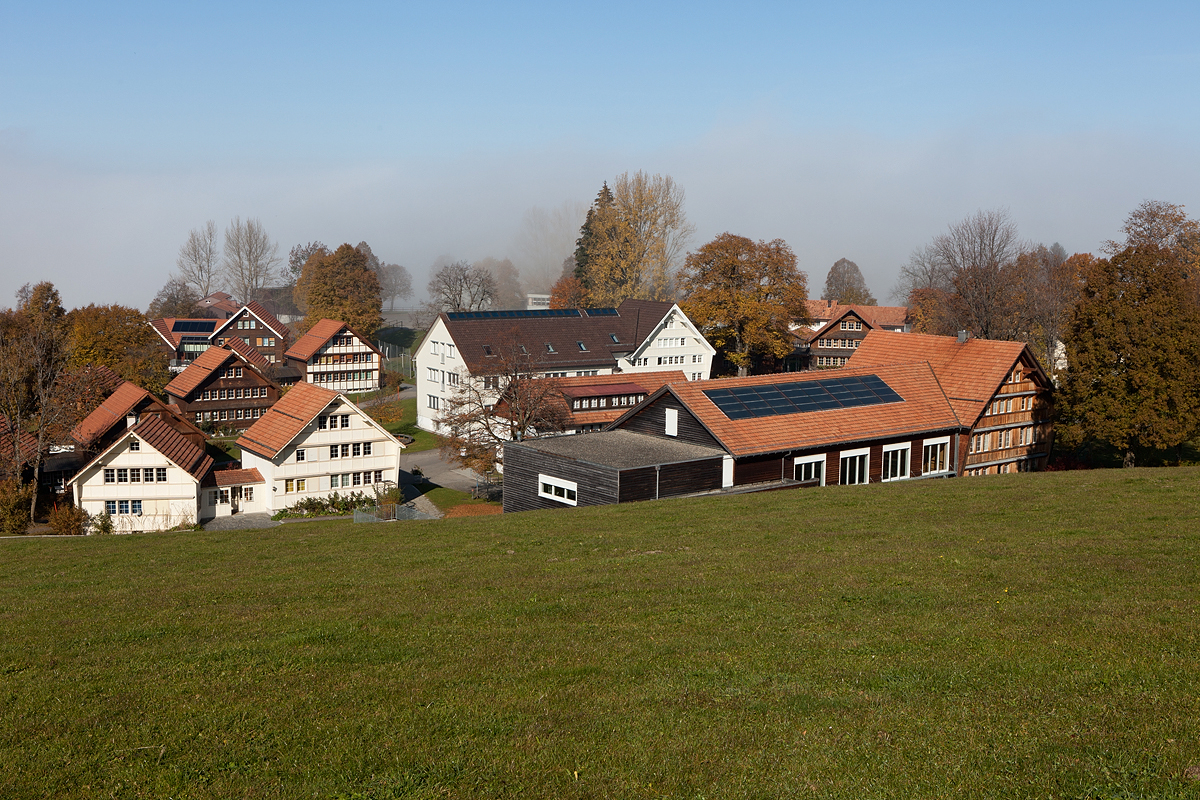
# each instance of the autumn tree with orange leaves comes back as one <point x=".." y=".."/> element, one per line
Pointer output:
<point x="743" y="294"/>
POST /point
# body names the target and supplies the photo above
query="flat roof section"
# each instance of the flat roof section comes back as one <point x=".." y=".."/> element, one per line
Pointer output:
<point x="621" y="449"/>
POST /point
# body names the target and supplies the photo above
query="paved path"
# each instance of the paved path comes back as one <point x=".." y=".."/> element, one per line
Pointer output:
<point x="241" y="522"/>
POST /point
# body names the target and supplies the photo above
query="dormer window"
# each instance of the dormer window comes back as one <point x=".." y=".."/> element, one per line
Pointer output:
<point x="523" y="350"/>
<point x="487" y="350"/>
<point x="582" y="346"/>
<point x="550" y="348"/>
<point x="613" y="336"/>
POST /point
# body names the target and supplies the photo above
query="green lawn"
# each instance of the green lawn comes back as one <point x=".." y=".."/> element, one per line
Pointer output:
<point x="422" y="440"/>
<point x="1013" y="636"/>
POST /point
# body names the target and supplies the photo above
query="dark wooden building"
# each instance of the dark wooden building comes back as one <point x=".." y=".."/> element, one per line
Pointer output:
<point x="223" y="387"/>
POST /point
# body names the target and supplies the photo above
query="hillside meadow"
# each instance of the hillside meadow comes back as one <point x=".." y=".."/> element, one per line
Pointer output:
<point x="1012" y="636"/>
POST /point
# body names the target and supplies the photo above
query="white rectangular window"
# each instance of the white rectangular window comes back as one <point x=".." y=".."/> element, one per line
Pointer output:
<point x="557" y="489"/>
<point x="161" y="472"/>
<point x="854" y="467"/>
<point x="935" y="456"/>
<point x="433" y="402"/>
<point x="895" y="461"/>
<point x="366" y="448"/>
<point x="300" y="454"/>
<point x="672" y="422"/>
<point x="810" y="468"/>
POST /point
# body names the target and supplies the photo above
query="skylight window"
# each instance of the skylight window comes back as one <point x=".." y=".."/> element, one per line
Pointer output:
<point x="550" y="348"/>
<point x="613" y="336"/>
<point x="582" y="346"/>
<point x="487" y="350"/>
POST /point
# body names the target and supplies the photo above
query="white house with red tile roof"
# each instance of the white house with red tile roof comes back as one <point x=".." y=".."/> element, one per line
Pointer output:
<point x="637" y="337"/>
<point x="333" y="355"/>
<point x="147" y="479"/>
<point x="314" y="442"/>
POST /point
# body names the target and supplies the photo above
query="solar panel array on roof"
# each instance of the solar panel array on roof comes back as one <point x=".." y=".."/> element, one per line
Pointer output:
<point x="516" y="314"/>
<point x="601" y="312"/>
<point x="769" y="400"/>
<point x="194" y="326"/>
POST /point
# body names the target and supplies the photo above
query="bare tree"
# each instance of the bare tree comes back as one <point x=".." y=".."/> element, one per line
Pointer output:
<point x="924" y="270"/>
<point x="298" y="257"/>
<point x="461" y="287"/>
<point x="651" y="210"/>
<point x="979" y="254"/>
<point x="395" y="281"/>
<point x="251" y="258"/>
<point x="501" y="403"/>
<point x="547" y="237"/>
<point x="845" y="284"/>
<point x="176" y="298"/>
<point x="199" y="263"/>
<point x="508" y="282"/>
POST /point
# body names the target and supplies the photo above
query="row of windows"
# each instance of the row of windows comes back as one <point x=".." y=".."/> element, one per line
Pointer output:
<point x="999" y="440"/>
<point x="130" y="507"/>
<point x="1024" y="465"/>
<point x="230" y="414"/>
<point x="851" y="325"/>
<point x="697" y="376"/>
<point x="446" y="349"/>
<point x="1008" y="405"/>
<point x="668" y="360"/>
<point x="347" y="358"/>
<point x="342" y="377"/>
<point x="230" y="372"/>
<point x="221" y="496"/>
<point x="336" y="481"/>
<point x="558" y="490"/>
<point x="854" y="465"/>
<point x="331" y="421"/>
<point x="831" y="361"/>
<point x="347" y="450"/>
<point x="247" y="324"/>
<point x="835" y="343"/>
<point x="672" y="341"/>
<point x="607" y="402"/>
<point x="135" y="475"/>
<point x="450" y="378"/>
<point x="230" y="394"/>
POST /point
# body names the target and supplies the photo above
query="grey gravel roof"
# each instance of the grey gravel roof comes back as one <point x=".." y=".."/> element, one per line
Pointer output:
<point x="620" y="449"/>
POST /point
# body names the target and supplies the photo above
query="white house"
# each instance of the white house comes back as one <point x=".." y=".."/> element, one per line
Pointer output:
<point x="147" y="479"/>
<point x="638" y="336"/>
<point x="334" y="355"/>
<point x="314" y="442"/>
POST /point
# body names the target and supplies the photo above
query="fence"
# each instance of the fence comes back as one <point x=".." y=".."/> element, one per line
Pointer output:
<point x="388" y="512"/>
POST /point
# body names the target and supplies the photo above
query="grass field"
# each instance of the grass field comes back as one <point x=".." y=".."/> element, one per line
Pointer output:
<point x="400" y="416"/>
<point x="1012" y="636"/>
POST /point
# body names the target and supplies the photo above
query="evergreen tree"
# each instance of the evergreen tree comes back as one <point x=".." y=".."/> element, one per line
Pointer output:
<point x="588" y="242"/>
<point x="1133" y="350"/>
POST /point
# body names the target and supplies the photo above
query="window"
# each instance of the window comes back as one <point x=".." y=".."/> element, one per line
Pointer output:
<point x="935" y="456"/>
<point x="613" y="336"/>
<point x="550" y="348"/>
<point x="451" y="378"/>
<point x="435" y="375"/>
<point x="366" y="448"/>
<point x="110" y="476"/>
<point x="300" y="484"/>
<point x="135" y="475"/>
<point x="697" y="359"/>
<point x="854" y="464"/>
<point x="379" y="476"/>
<point x="161" y="473"/>
<point x="672" y="422"/>
<point x="345" y="451"/>
<point x="450" y="350"/>
<point x="810" y="468"/>
<point x="333" y="481"/>
<point x="300" y="454"/>
<point x="289" y="486"/>
<point x="322" y="422"/>
<point x="357" y="478"/>
<point x="433" y="402"/>
<point x="345" y="420"/>
<point x="487" y="350"/>
<point x="148" y="475"/>
<point x="895" y="461"/>
<point x="135" y="507"/>
<point x="333" y="451"/>
<point x="122" y="506"/>
<point x="122" y="475"/>
<point x="110" y="507"/>
<point x="134" y="445"/>
<point x="557" y="489"/>
<point x="357" y="449"/>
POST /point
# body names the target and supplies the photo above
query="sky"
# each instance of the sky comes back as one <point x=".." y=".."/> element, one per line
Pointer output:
<point x="856" y="130"/>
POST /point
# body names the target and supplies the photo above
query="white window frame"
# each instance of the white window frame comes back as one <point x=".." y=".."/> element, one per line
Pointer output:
<point x="931" y="443"/>
<point x="905" y="447"/>
<point x="558" y="483"/>
<point x="866" y="471"/>
<point x="672" y="428"/>
<point x="818" y="459"/>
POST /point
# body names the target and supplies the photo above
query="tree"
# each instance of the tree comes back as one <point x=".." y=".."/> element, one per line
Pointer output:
<point x="118" y="337"/>
<point x="1161" y="224"/>
<point x="340" y="285"/>
<point x="1133" y="350"/>
<point x="507" y="280"/>
<point x="199" y="263"/>
<point x="924" y="270"/>
<point x="501" y="403"/>
<point x="176" y="298"/>
<point x="251" y="258"/>
<point x="979" y="254"/>
<point x="395" y="281"/>
<point x="632" y="240"/>
<point x="1052" y="289"/>
<point x="845" y="284"/>
<point x="461" y="287"/>
<point x="298" y="257"/>
<point x="744" y="294"/>
<point x="569" y="292"/>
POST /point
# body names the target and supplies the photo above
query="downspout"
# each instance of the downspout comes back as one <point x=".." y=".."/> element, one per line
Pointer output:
<point x="656" y="469"/>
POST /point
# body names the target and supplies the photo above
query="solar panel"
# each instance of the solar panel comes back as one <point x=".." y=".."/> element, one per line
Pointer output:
<point x="533" y="313"/>
<point x="601" y="312"/>
<point x="193" y="326"/>
<point x="774" y="399"/>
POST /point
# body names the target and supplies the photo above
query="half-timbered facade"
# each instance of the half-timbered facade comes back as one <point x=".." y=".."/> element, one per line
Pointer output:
<point x="334" y="355"/>
<point x="253" y="325"/>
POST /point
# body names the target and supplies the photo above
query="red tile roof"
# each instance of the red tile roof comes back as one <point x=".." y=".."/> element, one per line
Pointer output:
<point x="924" y="409"/>
<point x="970" y="373"/>
<point x="634" y="321"/>
<point x="168" y="441"/>
<point x="317" y="337"/>
<point x="252" y="356"/>
<point x="891" y="316"/>
<point x="26" y="441"/>
<point x="233" y="477"/>
<point x="208" y="362"/>
<point x="109" y="413"/>
<point x="600" y="385"/>
<point x="286" y="419"/>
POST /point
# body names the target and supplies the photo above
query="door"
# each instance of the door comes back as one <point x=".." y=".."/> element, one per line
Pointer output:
<point x="235" y="499"/>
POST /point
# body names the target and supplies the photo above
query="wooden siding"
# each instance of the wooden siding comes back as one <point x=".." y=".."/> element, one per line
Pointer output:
<point x="758" y="469"/>
<point x="637" y="484"/>
<point x="597" y="484"/>
<point x="652" y="420"/>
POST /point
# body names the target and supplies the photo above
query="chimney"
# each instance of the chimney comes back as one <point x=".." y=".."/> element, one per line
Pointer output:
<point x="963" y="336"/>
<point x="131" y="419"/>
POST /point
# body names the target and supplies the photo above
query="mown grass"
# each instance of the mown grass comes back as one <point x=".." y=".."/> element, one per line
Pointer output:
<point x="1011" y="636"/>
<point x="400" y="416"/>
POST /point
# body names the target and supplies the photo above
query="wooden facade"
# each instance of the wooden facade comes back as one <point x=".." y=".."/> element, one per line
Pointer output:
<point x="233" y="401"/>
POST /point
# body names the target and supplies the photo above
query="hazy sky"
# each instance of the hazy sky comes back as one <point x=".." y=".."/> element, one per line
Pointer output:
<point x="855" y="130"/>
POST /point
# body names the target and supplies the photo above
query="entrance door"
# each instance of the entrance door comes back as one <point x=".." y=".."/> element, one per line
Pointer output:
<point x="235" y="498"/>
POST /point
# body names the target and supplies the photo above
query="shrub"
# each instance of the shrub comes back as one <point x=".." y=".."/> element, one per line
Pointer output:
<point x="14" y="507"/>
<point x="68" y="520"/>
<point x="326" y="506"/>
<point x="103" y="524"/>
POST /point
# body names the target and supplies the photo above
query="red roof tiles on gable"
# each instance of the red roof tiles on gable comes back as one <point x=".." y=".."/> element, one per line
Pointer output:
<point x="925" y="409"/>
<point x="822" y="311"/>
<point x="315" y="339"/>
<point x="168" y="441"/>
<point x="233" y="477"/>
<point x="286" y="419"/>
<point x="252" y="356"/>
<point x="970" y="373"/>
<point x="198" y="371"/>
<point x="109" y="413"/>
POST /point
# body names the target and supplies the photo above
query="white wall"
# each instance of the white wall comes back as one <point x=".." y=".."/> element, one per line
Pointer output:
<point x="164" y="505"/>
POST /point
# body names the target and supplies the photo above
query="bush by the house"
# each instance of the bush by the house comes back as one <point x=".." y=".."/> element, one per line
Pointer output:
<point x="68" y="520"/>
<point x="14" y="507"/>
<point x="103" y="524"/>
<point x="332" y="505"/>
